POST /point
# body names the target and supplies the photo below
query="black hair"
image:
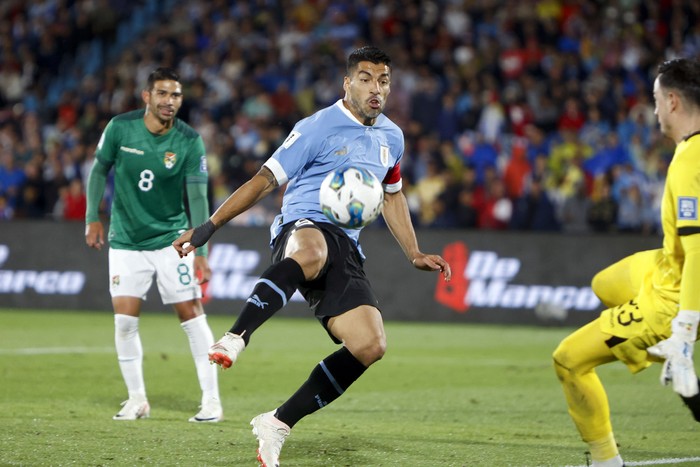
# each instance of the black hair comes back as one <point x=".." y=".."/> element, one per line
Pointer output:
<point x="683" y="75"/>
<point x="367" y="53"/>
<point x="161" y="74"/>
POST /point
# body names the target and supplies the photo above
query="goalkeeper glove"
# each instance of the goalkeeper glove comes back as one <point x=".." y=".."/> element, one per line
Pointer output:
<point x="678" y="352"/>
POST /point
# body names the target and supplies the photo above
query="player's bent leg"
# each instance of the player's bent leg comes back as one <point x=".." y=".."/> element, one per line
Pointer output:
<point x="362" y="332"/>
<point x="575" y="360"/>
<point x="271" y="293"/>
<point x="621" y="281"/>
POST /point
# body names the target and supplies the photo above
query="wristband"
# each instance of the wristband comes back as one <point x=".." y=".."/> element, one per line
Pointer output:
<point x="202" y="233"/>
<point x="685" y="325"/>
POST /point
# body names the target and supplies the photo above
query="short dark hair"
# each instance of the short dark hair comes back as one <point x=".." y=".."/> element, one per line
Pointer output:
<point x="368" y="53"/>
<point x="683" y="75"/>
<point x="161" y="74"/>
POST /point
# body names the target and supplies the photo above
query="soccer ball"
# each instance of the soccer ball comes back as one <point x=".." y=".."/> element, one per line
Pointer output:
<point x="351" y="197"/>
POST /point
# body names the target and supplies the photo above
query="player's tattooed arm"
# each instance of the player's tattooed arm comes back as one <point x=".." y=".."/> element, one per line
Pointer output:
<point x="252" y="191"/>
<point x="269" y="176"/>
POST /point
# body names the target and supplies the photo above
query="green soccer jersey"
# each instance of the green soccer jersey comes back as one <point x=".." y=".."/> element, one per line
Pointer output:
<point x="150" y="172"/>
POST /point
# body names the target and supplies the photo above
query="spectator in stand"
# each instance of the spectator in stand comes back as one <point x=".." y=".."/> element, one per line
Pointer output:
<point x="427" y="100"/>
<point x="611" y="153"/>
<point x="565" y="151"/>
<point x="32" y="202"/>
<point x="516" y="171"/>
<point x="595" y="130"/>
<point x="12" y="178"/>
<point x="630" y="212"/>
<point x="455" y="206"/>
<point x="533" y="210"/>
<point x="492" y="120"/>
<point x="495" y="211"/>
<point x="574" y="210"/>
<point x="602" y="214"/>
<point x="494" y="60"/>
<point x="572" y="118"/>
<point x="478" y="153"/>
<point x="74" y="201"/>
<point x="6" y="211"/>
<point x="447" y="119"/>
<point x="428" y="189"/>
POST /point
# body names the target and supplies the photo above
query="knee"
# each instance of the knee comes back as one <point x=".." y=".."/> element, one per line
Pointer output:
<point x="311" y="259"/>
<point x="562" y="363"/>
<point x="125" y="325"/>
<point x="371" y="352"/>
<point x="597" y="285"/>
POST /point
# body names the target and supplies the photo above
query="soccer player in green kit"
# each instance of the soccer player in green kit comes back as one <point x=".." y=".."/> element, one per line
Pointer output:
<point x="155" y="157"/>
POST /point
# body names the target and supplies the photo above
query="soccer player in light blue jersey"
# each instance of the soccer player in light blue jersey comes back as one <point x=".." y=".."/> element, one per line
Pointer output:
<point x="321" y="260"/>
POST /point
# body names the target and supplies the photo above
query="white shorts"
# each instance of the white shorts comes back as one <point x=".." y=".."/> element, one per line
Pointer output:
<point x="131" y="274"/>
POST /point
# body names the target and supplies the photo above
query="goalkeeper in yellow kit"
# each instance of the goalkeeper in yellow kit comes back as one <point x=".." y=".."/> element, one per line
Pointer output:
<point x="653" y="295"/>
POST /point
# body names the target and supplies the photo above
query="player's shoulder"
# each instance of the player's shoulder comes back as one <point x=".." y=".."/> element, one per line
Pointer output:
<point x="186" y="130"/>
<point x="128" y="117"/>
<point x="393" y="132"/>
<point x="685" y="158"/>
<point x="319" y="120"/>
<point x="388" y="125"/>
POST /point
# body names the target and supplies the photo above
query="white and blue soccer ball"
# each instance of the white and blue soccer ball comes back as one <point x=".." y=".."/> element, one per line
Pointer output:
<point x="351" y="197"/>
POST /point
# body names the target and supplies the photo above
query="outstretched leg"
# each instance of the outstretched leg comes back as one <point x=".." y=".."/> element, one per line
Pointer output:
<point x="301" y="255"/>
<point x="271" y="293"/>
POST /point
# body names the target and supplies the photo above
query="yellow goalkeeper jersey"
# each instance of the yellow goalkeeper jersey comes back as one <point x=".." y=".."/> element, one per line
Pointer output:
<point x="679" y="217"/>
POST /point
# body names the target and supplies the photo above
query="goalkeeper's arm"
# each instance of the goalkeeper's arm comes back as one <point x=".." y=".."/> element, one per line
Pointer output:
<point x="678" y="349"/>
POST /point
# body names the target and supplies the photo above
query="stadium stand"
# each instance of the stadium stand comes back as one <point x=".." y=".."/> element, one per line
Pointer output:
<point x="533" y="116"/>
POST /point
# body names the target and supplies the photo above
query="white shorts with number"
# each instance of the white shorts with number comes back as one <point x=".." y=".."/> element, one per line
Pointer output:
<point x="131" y="274"/>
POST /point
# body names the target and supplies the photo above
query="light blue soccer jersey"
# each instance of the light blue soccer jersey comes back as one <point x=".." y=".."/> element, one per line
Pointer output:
<point x="331" y="138"/>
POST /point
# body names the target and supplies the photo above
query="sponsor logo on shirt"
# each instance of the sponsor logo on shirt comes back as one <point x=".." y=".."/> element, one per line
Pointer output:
<point x="293" y="136"/>
<point x="342" y="151"/>
<point x="687" y="208"/>
<point x="132" y="150"/>
<point x="203" y="164"/>
<point x="169" y="160"/>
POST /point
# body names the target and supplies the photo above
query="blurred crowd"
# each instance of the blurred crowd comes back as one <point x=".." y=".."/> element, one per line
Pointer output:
<point x="530" y="115"/>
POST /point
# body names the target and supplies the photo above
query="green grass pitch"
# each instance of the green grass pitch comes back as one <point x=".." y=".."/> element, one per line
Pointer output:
<point x="444" y="395"/>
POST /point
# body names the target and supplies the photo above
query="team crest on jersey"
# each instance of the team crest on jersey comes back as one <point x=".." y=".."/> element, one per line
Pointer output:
<point x="115" y="281"/>
<point x="169" y="160"/>
<point x="687" y="208"/>
<point x="384" y="155"/>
